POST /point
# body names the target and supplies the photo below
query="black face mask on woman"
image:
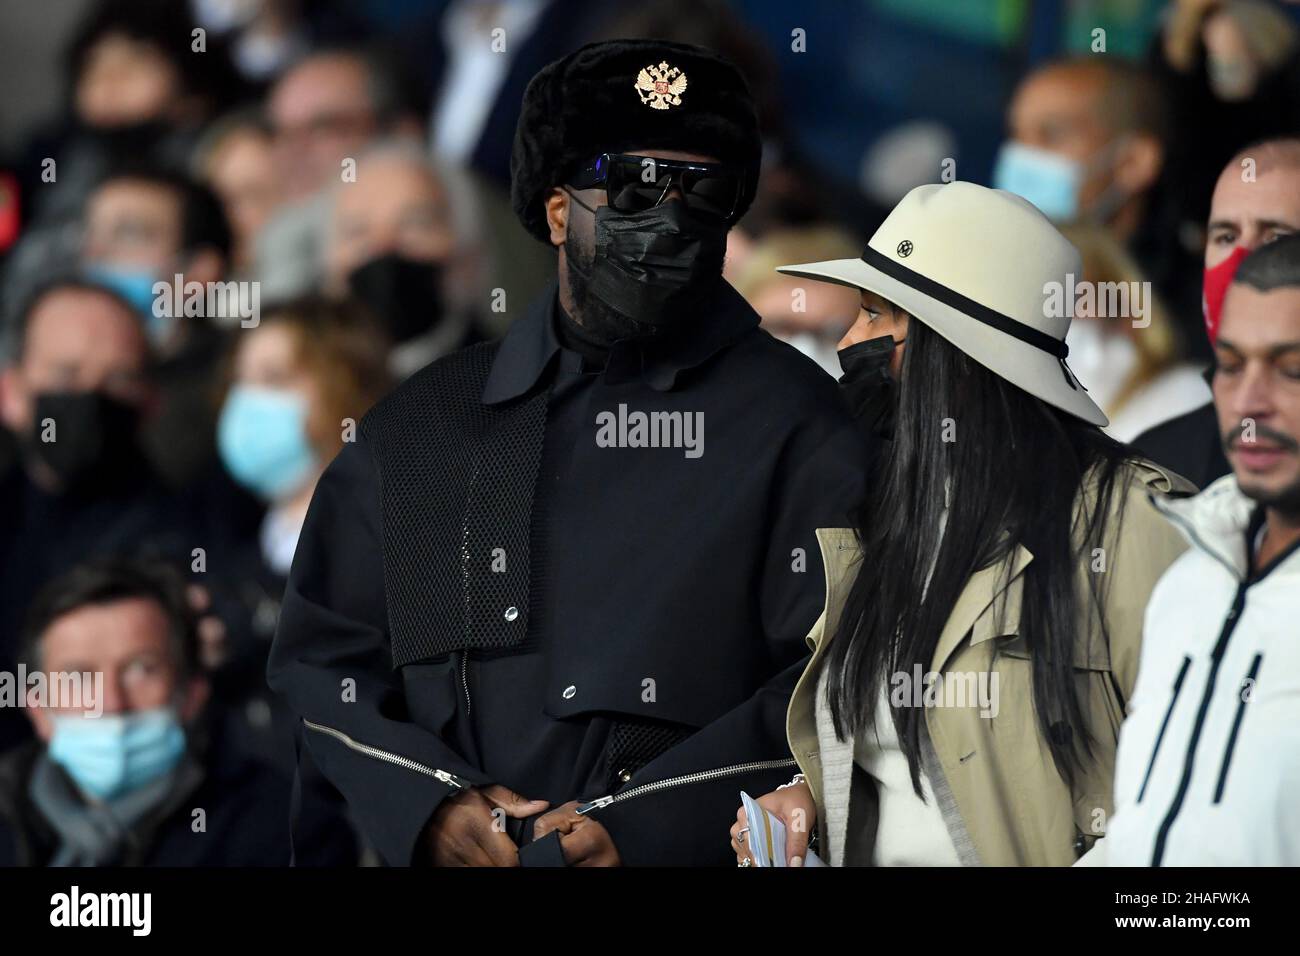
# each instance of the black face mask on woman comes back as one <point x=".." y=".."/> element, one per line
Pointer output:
<point x="867" y="386"/>
<point x="649" y="266"/>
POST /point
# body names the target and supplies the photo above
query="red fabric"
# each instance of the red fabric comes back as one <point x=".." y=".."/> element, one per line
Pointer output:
<point x="9" y="221"/>
<point x="1215" y="287"/>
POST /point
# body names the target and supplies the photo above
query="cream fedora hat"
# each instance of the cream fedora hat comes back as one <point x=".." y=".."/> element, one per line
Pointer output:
<point x="977" y="265"/>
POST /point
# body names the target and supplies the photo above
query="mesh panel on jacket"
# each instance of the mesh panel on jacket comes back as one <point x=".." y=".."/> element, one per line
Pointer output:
<point x="456" y="481"/>
<point x="634" y="743"/>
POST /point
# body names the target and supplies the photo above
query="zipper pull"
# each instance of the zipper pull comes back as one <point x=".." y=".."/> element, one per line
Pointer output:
<point x="597" y="804"/>
<point x="451" y="780"/>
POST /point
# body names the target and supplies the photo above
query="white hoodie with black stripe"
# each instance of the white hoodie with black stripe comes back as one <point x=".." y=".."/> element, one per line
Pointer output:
<point x="1208" y="768"/>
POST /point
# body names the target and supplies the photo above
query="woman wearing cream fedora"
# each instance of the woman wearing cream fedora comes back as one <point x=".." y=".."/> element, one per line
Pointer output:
<point x="982" y="623"/>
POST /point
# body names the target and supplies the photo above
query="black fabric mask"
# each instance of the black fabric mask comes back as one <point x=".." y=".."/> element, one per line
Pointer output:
<point x="867" y="386"/>
<point x="405" y="294"/>
<point x="95" y="437"/>
<point x="649" y="266"/>
<point x="126" y="142"/>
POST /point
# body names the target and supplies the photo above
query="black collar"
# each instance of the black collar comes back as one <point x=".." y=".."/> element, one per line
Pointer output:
<point x="1254" y="573"/>
<point x="530" y="345"/>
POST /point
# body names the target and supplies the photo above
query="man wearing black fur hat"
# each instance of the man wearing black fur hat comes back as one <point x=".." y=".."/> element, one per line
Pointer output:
<point x="530" y="618"/>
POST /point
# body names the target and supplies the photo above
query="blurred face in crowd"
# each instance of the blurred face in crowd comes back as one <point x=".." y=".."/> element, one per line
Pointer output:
<point x="877" y="316"/>
<point x="134" y="224"/>
<point x="321" y="111"/>
<point x="134" y="237"/>
<point x="1059" y="114"/>
<point x="826" y="311"/>
<point x="264" y="435"/>
<point x="396" y="206"/>
<point x="77" y="341"/>
<point x="1232" y="67"/>
<point x="268" y="358"/>
<point x="1058" y="109"/>
<point x="1248" y="214"/>
<point x="124" y="82"/>
<point x="129" y="642"/>
<point x="241" y="171"/>
<point x="1257" y="389"/>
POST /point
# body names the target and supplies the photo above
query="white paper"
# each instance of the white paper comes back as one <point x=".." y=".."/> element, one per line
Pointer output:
<point x="766" y="836"/>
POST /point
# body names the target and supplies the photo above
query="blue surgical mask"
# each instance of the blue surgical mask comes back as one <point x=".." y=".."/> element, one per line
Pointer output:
<point x="262" y="438"/>
<point x="136" y="286"/>
<point x="1049" y="181"/>
<point x="114" y="754"/>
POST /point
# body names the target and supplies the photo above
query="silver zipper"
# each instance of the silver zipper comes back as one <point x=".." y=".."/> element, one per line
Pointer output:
<point x="450" y="779"/>
<point x="464" y="680"/>
<point x="702" y="777"/>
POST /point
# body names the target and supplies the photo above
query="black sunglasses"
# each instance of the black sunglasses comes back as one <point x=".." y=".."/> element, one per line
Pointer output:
<point x="637" y="183"/>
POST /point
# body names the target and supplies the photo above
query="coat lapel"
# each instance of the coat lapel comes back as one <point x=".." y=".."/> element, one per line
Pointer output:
<point x="980" y="591"/>
<point x="839" y="551"/>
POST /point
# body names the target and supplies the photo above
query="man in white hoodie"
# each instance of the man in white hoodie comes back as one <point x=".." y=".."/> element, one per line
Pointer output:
<point x="1208" y="769"/>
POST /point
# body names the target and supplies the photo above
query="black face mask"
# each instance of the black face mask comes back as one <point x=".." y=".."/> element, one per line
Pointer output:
<point x="867" y="386"/>
<point x="649" y="266"/>
<point x="126" y="142"/>
<point x="94" y="437"/>
<point x="405" y="294"/>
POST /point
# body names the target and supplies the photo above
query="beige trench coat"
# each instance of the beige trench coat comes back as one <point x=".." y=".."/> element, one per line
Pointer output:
<point x="996" y="775"/>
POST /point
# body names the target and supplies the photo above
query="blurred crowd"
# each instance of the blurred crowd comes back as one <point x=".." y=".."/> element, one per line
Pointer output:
<point x="324" y="191"/>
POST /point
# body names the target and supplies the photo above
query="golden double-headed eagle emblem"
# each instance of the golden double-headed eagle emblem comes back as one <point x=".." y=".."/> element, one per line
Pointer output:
<point x="661" y="87"/>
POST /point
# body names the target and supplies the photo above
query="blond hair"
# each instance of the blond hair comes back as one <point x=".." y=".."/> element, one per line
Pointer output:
<point x="1106" y="260"/>
<point x="781" y="247"/>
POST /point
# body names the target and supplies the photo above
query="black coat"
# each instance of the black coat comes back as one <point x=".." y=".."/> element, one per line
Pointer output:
<point x="1188" y="445"/>
<point x="648" y="625"/>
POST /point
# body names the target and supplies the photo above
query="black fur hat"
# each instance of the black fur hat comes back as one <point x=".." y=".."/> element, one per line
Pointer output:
<point x="596" y="100"/>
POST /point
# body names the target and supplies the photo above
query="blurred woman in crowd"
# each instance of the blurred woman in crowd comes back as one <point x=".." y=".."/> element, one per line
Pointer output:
<point x="137" y="89"/>
<point x="299" y="383"/>
<point x="236" y="159"/>
<point x="982" y="624"/>
<point x="812" y="317"/>
<point x="1123" y="344"/>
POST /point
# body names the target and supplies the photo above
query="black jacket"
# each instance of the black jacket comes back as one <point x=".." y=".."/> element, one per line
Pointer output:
<point x="649" y="624"/>
<point x="1189" y="445"/>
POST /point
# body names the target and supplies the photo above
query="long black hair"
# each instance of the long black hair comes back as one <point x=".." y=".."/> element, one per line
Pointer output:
<point x="1011" y="470"/>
